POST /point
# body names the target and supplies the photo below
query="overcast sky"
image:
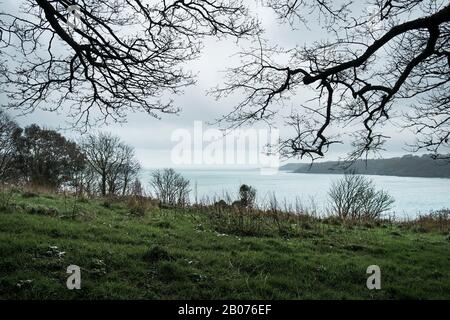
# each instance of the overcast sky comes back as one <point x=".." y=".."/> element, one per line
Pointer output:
<point x="152" y="138"/>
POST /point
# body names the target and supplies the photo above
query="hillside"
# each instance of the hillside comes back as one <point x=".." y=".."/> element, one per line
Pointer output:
<point x="406" y="166"/>
<point x="173" y="254"/>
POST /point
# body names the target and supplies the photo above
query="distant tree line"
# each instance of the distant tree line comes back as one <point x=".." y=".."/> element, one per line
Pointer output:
<point x="100" y="164"/>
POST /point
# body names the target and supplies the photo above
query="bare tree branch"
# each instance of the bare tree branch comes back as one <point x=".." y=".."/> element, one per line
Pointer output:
<point x="358" y="79"/>
<point x="123" y="55"/>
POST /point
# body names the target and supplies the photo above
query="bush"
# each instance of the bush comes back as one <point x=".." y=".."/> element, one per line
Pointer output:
<point x="248" y="196"/>
<point x="354" y="197"/>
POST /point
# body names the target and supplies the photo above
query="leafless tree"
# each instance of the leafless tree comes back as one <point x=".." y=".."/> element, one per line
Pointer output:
<point x="128" y="176"/>
<point x="123" y="170"/>
<point x="392" y="61"/>
<point x="137" y="190"/>
<point x="170" y="187"/>
<point x="85" y="182"/>
<point x="112" y="161"/>
<point x="8" y="129"/>
<point x="355" y="197"/>
<point x="116" y="55"/>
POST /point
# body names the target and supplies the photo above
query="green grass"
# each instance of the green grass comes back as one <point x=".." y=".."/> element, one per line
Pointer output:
<point x="168" y="254"/>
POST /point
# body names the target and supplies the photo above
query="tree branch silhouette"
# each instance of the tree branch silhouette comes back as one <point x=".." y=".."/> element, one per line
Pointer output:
<point x="122" y="55"/>
<point x="356" y="79"/>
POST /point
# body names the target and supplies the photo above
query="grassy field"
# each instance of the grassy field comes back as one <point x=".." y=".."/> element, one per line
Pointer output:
<point x="169" y="254"/>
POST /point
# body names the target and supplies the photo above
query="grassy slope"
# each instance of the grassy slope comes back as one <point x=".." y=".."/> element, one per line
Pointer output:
<point x="118" y="258"/>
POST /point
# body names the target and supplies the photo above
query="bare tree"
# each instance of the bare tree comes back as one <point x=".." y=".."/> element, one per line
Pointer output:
<point x="123" y="171"/>
<point x="137" y="190"/>
<point x="85" y="182"/>
<point x="373" y="65"/>
<point x="128" y="176"/>
<point x="170" y="187"/>
<point x="111" y="160"/>
<point x="8" y="130"/>
<point x="116" y="55"/>
<point x="354" y="197"/>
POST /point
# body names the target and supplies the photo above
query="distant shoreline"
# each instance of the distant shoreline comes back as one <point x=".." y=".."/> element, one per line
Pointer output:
<point x="365" y="174"/>
<point x="407" y="166"/>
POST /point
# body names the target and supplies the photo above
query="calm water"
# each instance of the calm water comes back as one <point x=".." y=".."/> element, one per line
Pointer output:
<point x="412" y="195"/>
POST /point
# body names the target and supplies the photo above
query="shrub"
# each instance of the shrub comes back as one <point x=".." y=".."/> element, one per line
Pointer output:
<point x="355" y="197"/>
<point x="248" y="196"/>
